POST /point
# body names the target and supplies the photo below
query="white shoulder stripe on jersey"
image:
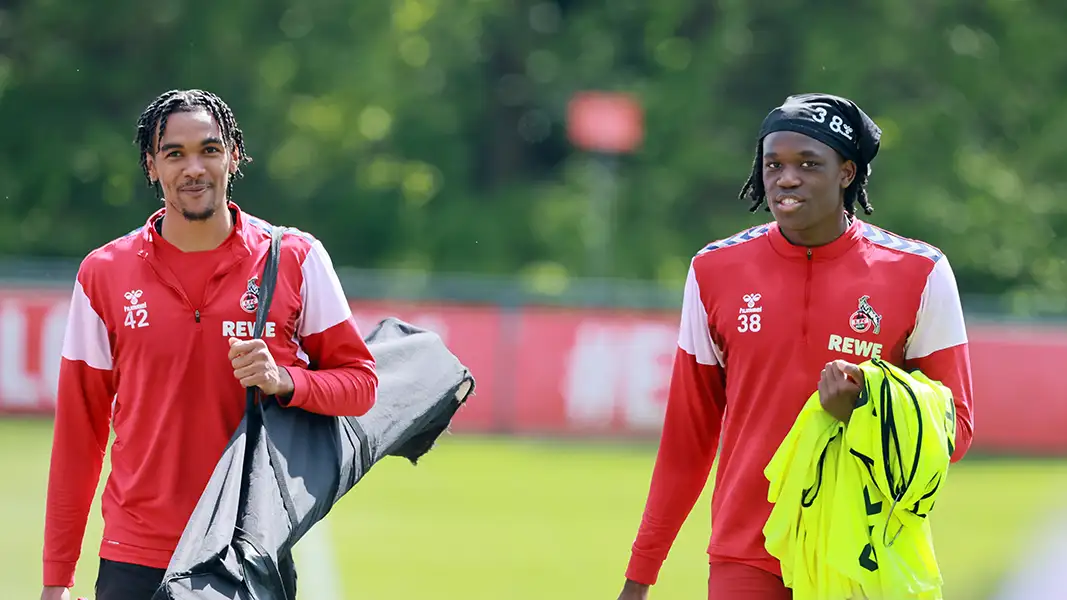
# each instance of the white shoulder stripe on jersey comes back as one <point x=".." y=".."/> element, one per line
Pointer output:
<point x="895" y="242"/>
<point x="940" y="322"/>
<point x="86" y="336"/>
<point x="324" y="302"/>
<point x="738" y="238"/>
<point x="694" y="335"/>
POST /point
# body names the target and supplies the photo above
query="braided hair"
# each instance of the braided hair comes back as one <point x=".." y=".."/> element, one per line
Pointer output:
<point x="156" y="115"/>
<point x="753" y="189"/>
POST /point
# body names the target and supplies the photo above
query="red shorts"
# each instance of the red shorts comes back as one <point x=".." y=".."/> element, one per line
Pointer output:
<point x="734" y="581"/>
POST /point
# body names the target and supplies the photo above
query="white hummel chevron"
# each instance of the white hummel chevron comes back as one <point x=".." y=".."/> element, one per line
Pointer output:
<point x="895" y="242"/>
<point x="744" y="236"/>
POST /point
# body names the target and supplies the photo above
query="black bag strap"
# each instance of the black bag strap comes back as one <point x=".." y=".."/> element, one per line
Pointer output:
<point x="268" y="281"/>
<point x="253" y="395"/>
<point x="266" y="293"/>
<point x="254" y="414"/>
<point x="255" y="400"/>
<point x="266" y="290"/>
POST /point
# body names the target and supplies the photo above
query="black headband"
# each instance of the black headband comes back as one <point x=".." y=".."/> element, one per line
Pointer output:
<point x="835" y="121"/>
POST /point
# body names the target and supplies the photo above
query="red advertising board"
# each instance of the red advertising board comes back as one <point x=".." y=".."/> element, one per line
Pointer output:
<point x="583" y="372"/>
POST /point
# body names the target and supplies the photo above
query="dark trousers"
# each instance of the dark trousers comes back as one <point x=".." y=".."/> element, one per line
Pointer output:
<point x="124" y="581"/>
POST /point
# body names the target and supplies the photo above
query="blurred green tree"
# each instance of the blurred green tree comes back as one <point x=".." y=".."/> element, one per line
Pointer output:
<point x="430" y="134"/>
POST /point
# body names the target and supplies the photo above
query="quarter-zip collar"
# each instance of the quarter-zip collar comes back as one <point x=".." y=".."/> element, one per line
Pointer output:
<point x="236" y="244"/>
<point x="845" y="242"/>
<point x="238" y="247"/>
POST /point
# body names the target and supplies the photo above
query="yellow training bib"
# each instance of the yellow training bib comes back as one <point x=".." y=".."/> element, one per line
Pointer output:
<point x="849" y="520"/>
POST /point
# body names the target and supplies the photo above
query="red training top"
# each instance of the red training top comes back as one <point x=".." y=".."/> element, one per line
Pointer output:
<point x="146" y="351"/>
<point x="760" y="319"/>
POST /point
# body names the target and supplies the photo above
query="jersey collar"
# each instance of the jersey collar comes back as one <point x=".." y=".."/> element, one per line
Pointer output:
<point x="240" y="224"/>
<point x="830" y="251"/>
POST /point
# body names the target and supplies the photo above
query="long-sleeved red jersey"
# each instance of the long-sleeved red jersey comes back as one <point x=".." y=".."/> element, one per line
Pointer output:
<point x="146" y="351"/>
<point x="760" y="319"/>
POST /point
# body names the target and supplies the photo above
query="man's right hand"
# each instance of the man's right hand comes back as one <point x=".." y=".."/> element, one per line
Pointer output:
<point x="631" y="590"/>
<point x="55" y="593"/>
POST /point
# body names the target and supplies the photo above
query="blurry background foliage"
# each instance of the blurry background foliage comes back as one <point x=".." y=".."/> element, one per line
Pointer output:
<point x="430" y="134"/>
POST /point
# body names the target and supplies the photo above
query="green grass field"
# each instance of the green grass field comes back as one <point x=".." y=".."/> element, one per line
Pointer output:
<point x="490" y="518"/>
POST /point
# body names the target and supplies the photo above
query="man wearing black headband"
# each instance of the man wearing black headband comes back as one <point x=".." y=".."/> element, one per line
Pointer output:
<point x="840" y="141"/>
<point x="776" y="312"/>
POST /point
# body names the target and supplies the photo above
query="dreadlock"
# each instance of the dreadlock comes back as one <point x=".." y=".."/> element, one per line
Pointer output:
<point x="753" y="189"/>
<point x="168" y="103"/>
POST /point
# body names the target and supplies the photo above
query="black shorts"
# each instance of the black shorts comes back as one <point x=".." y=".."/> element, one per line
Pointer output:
<point x="124" y="581"/>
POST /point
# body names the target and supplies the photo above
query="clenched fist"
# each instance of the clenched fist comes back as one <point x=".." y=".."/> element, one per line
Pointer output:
<point x="839" y="388"/>
<point x="254" y="366"/>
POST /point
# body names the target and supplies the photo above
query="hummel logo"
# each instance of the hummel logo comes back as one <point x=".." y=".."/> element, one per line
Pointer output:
<point x="137" y="311"/>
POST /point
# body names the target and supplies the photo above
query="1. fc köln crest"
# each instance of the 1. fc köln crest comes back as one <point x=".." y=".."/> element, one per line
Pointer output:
<point x="250" y="299"/>
<point x="864" y="317"/>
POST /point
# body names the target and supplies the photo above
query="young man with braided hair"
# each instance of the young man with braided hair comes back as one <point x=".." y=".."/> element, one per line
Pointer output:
<point x="158" y="345"/>
<point x="775" y="312"/>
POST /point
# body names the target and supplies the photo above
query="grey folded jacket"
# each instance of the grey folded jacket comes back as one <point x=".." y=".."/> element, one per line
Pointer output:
<point x="301" y="464"/>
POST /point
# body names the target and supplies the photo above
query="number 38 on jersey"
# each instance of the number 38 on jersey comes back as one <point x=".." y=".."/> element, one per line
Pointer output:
<point x="748" y="323"/>
<point x="749" y="317"/>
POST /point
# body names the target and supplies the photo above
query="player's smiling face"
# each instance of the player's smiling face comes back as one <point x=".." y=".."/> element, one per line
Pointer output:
<point x="193" y="165"/>
<point x="804" y="180"/>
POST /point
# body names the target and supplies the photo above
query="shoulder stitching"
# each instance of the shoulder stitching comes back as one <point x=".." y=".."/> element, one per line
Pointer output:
<point x="892" y="241"/>
<point x="307" y="237"/>
<point x="266" y="227"/>
<point x="258" y="223"/>
<point x="738" y="238"/>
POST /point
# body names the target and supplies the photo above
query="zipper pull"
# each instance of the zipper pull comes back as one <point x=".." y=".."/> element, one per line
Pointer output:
<point x="197" y="315"/>
<point x="809" y="253"/>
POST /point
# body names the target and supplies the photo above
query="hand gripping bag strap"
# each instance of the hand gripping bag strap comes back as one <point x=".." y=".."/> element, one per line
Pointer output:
<point x="254" y="415"/>
<point x="266" y="295"/>
<point x="254" y="410"/>
<point x="270" y="277"/>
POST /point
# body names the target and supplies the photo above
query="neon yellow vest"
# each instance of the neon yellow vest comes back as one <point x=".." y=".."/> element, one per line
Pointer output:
<point x="849" y="519"/>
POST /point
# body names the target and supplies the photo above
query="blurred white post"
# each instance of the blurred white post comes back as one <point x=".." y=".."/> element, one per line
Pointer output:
<point x="605" y="124"/>
<point x="1040" y="573"/>
<point x="317" y="574"/>
<point x="600" y="221"/>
